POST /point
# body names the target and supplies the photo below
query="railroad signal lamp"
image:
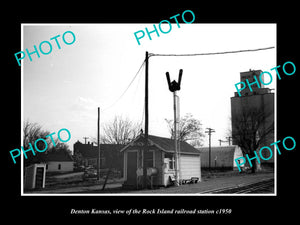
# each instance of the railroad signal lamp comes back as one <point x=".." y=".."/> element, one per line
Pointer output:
<point x="174" y="85"/>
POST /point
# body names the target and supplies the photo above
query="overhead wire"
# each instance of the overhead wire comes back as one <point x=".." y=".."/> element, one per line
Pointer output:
<point x="188" y="54"/>
<point x="143" y="116"/>
<point x="210" y="53"/>
<point x="213" y="53"/>
<point x="135" y="94"/>
<point x="123" y="93"/>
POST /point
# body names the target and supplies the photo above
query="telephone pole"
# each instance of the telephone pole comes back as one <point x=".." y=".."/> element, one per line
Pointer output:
<point x="98" y="143"/>
<point x="220" y="141"/>
<point x="209" y="131"/>
<point x="229" y="140"/>
<point x="146" y="123"/>
<point x="85" y="139"/>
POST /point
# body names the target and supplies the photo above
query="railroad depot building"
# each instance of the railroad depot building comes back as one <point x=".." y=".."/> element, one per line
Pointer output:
<point x="222" y="157"/>
<point x="161" y="158"/>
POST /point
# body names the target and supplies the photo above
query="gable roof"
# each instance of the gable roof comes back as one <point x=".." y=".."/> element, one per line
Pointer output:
<point x="164" y="144"/>
<point x="58" y="156"/>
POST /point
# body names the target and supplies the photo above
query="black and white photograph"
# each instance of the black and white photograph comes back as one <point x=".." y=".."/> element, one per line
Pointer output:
<point x="132" y="130"/>
<point x="168" y="115"/>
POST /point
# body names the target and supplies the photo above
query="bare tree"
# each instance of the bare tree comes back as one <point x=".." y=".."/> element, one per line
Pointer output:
<point x="189" y="129"/>
<point x="250" y="130"/>
<point x="119" y="131"/>
<point x="32" y="132"/>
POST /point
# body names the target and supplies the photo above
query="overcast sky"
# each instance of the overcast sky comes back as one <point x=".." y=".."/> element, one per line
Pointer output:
<point x="64" y="89"/>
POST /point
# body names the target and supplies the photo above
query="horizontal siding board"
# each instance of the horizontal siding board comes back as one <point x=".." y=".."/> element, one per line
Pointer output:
<point x="190" y="166"/>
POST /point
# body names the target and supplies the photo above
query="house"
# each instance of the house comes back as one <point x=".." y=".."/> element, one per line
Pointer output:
<point x="110" y="156"/>
<point x="55" y="160"/>
<point x="59" y="161"/>
<point x="222" y="157"/>
<point x="160" y="160"/>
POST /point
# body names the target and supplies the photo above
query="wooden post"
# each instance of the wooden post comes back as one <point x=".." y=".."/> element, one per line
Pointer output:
<point x="210" y="130"/>
<point x="98" y="143"/>
<point x="175" y="142"/>
<point x="85" y="139"/>
<point x="146" y="124"/>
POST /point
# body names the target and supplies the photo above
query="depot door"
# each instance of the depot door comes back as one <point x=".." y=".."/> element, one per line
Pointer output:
<point x="131" y="167"/>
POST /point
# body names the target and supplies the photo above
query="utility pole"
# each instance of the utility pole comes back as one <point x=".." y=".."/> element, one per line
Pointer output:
<point x="85" y="139"/>
<point x="176" y="143"/>
<point x="209" y="131"/>
<point x="98" y="143"/>
<point x="146" y="122"/>
<point x="173" y="87"/>
<point x="220" y="141"/>
<point x="229" y="140"/>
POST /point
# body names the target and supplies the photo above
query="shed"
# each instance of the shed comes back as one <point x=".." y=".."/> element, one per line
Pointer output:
<point x="35" y="176"/>
<point x="160" y="157"/>
<point x="222" y="157"/>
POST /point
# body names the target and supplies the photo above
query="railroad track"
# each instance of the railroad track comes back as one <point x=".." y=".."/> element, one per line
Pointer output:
<point x="265" y="186"/>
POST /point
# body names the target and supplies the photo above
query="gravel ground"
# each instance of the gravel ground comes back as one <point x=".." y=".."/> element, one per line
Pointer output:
<point x="209" y="181"/>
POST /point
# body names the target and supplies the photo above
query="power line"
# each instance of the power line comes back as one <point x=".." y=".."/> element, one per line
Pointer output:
<point x="190" y="54"/>
<point x="126" y="88"/>
<point x="143" y="114"/>
<point x="213" y="53"/>
<point x="135" y="94"/>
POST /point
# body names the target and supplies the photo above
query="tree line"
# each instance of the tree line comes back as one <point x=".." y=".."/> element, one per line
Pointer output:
<point x="33" y="131"/>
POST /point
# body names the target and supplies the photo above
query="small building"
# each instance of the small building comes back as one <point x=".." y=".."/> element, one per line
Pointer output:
<point x="59" y="161"/>
<point x="35" y="176"/>
<point x="161" y="160"/>
<point x="222" y="157"/>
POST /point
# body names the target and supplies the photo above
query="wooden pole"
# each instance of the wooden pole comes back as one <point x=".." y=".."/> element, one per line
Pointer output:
<point x="146" y="123"/>
<point x="98" y="143"/>
<point x="209" y="150"/>
<point x="210" y="130"/>
<point x="175" y="141"/>
<point x="178" y="141"/>
<point x="85" y="139"/>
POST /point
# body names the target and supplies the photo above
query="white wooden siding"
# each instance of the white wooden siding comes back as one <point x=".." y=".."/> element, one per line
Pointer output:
<point x="53" y="166"/>
<point x="190" y="166"/>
